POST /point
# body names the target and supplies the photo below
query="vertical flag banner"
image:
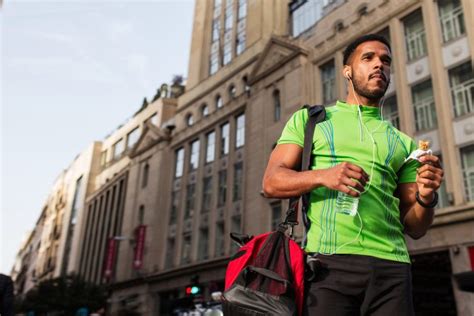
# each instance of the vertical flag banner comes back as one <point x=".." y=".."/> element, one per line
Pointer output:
<point x="110" y="257"/>
<point x="140" y="233"/>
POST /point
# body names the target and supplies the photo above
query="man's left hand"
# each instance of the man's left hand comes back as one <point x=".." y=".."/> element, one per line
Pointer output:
<point x="429" y="177"/>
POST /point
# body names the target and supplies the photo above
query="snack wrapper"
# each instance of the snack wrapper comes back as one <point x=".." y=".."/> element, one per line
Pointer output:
<point x="423" y="149"/>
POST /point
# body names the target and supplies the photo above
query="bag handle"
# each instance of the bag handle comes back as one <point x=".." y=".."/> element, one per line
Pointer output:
<point x="316" y="114"/>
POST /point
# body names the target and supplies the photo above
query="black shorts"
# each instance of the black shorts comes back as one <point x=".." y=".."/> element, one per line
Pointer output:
<point x="359" y="285"/>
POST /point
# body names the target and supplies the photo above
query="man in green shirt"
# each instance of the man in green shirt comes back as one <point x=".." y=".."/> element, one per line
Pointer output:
<point x="358" y="158"/>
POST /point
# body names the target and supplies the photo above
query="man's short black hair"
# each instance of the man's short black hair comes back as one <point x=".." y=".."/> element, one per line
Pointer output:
<point x="365" y="38"/>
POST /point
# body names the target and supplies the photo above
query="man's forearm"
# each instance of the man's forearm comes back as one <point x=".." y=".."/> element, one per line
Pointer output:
<point x="418" y="220"/>
<point x="286" y="183"/>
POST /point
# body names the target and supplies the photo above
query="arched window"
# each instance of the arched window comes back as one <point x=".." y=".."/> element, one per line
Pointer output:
<point x="189" y="119"/>
<point x="232" y="92"/>
<point x="204" y="110"/>
<point x="146" y="171"/>
<point x="245" y="81"/>
<point x="141" y="215"/>
<point x="276" y="105"/>
<point x="218" y="102"/>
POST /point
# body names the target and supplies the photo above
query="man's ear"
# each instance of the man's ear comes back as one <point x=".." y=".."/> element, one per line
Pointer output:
<point x="347" y="72"/>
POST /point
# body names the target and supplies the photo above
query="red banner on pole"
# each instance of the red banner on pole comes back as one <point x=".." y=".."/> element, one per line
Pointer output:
<point x="110" y="257"/>
<point x="140" y="233"/>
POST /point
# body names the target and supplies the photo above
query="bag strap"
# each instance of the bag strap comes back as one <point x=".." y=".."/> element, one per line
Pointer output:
<point x="316" y="114"/>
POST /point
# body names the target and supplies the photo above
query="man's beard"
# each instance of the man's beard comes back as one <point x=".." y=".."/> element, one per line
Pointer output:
<point x="373" y="95"/>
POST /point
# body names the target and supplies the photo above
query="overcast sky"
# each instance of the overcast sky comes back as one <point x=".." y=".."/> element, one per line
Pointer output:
<point x="71" y="72"/>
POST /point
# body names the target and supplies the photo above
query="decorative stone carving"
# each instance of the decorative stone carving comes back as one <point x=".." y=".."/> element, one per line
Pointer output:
<point x="418" y="69"/>
<point x="469" y="128"/>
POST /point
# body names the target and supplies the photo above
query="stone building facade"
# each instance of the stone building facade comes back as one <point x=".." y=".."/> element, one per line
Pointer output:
<point x="171" y="200"/>
<point x="252" y="64"/>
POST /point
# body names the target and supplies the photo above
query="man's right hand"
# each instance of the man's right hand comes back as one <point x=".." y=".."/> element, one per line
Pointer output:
<point x="343" y="176"/>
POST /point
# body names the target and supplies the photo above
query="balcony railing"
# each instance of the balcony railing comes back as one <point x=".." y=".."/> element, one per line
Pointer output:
<point x="425" y="114"/>
<point x="416" y="44"/>
<point x="463" y="98"/>
<point x="452" y="24"/>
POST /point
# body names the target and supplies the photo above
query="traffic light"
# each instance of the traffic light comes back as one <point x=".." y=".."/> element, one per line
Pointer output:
<point x="193" y="290"/>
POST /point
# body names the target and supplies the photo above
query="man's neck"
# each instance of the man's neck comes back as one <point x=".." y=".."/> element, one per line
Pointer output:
<point x="351" y="99"/>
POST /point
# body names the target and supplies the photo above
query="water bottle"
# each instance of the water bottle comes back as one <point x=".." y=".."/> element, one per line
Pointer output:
<point x="346" y="204"/>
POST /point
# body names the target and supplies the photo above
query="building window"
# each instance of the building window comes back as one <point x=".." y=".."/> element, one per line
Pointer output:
<point x="328" y="79"/>
<point x="210" y="146"/>
<point x="224" y="139"/>
<point x="170" y="252"/>
<point x="451" y="18"/>
<point x="190" y="198"/>
<point x="415" y="37"/>
<point x="443" y="194"/>
<point x="189" y="120"/>
<point x="390" y="111"/>
<point x="242" y="10"/>
<point x="245" y="82"/>
<point x="204" y="110"/>
<point x="276" y="105"/>
<point x="240" y="132"/>
<point x="461" y="80"/>
<point x="179" y="163"/>
<point x="424" y="106"/>
<point x="232" y="92"/>
<point x="174" y="207"/>
<point x="304" y="14"/>
<point x="222" y="193"/>
<point x="186" y="251"/>
<point x="215" y="43"/>
<point x="133" y="137"/>
<point x="77" y="201"/>
<point x="146" y="171"/>
<point x="203" y="249"/>
<point x="276" y="214"/>
<point x="238" y="182"/>
<point x="194" y="158"/>
<point x="118" y="149"/>
<point x="214" y="65"/>
<point x="219" y="239"/>
<point x="241" y="34"/>
<point x="228" y="24"/>
<point x="103" y="158"/>
<point x="236" y="223"/>
<point x="218" y="102"/>
<point x="467" y="159"/>
<point x="141" y="215"/>
<point x="206" y="195"/>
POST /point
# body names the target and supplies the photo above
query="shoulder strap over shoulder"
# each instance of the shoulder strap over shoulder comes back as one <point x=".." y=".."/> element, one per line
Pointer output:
<point x="316" y="114"/>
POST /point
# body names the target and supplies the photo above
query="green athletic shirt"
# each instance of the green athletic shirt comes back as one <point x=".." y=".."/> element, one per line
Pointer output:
<point x="341" y="137"/>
